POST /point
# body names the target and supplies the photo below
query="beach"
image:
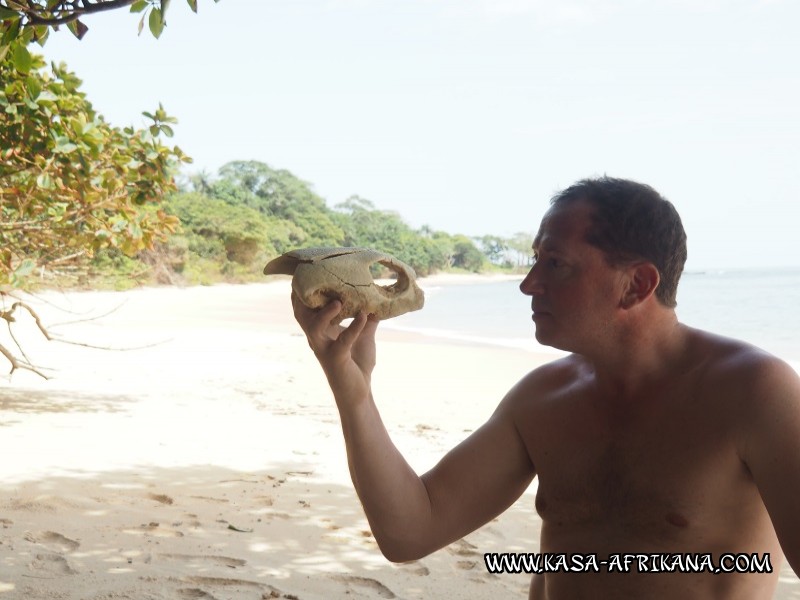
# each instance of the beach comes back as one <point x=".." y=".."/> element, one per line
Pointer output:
<point x="201" y="457"/>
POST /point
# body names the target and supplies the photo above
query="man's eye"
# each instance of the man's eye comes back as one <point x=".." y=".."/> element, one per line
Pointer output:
<point x="555" y="263"/>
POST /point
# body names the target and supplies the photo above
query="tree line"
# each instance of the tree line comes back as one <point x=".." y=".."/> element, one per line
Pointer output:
<point x="232" y="224"/>
<point x="84" y="203"/>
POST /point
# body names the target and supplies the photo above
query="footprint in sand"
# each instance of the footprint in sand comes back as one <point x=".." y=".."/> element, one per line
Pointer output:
<point x="190" y="593"/>
<point x="462" y="548"/>
<point x="223" y="581"/>
<point x="422" y="429"/>
<point x="372" y="584"/>
<point x="225" y="561"/>
<point x="210" y="499"/>
<point x="162" y="498"/>
<point x="153" y="529"/>
<point x="53" y="541"/>
<point x="416" y="568"/>
<point x="53" y="564"/>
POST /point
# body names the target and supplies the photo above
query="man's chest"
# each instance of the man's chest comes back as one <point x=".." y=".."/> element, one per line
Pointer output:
<point x="653" y="472"/>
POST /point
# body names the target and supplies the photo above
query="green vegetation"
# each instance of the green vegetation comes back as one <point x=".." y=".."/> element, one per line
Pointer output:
<point x="70" y="183"/>
<point x="232" y="225"/>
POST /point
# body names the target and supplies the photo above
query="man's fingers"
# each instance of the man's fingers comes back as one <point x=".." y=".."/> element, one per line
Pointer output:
<point x="348" y="337"/>
<point x="371" y="325"/>
<point x="315" y="320"/>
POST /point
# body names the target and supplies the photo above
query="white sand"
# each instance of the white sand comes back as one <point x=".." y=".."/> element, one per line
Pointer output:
<point x="211" y="465"/>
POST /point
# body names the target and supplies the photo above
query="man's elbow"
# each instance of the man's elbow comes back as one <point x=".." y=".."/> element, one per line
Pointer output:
<point x="402" y="556"/>
<point x="402" y="551"/>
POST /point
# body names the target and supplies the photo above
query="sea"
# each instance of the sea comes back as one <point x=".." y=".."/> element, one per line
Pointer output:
<point x="761" y="307"/>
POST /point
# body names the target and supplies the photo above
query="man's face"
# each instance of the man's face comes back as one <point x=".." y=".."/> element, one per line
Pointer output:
<point x="574" y="292"/>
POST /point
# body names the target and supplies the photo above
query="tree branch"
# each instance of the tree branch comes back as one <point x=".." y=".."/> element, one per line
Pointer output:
<point x="76" y="12"/>
<point x="26" y="364"/>
<point x="16" y="364"/>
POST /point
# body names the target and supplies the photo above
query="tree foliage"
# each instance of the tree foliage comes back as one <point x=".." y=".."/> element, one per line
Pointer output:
<point x="279" y="194"/>
<point x="70" y="183"/>
<point x="252" y="205"/>
<point x="25" y="21"/>
<point x="386" y="231"/>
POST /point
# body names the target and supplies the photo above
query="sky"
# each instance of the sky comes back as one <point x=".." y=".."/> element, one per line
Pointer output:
<point x="468" y="115"/>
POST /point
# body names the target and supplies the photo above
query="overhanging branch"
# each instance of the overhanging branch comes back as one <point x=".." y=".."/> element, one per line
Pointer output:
<point x="75" y="12"/>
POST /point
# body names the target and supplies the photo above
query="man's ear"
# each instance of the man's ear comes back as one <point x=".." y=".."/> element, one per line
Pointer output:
<point x="643" y="279"/>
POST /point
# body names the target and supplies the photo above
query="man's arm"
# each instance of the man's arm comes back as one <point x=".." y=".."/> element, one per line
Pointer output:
<point x="412" y="516"/>
<point x="771" y="445"/>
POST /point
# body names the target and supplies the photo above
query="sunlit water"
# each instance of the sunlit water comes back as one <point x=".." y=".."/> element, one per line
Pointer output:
<point x="760" y="307"/>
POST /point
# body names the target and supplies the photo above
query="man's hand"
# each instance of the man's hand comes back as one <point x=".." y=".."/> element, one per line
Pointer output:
<point x="347" y="355"/>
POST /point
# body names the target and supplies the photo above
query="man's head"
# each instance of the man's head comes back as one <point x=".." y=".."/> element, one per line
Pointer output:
<point x="632" y="222"/>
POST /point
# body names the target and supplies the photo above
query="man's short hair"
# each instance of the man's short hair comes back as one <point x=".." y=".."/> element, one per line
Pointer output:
<point x="631" y="222"/>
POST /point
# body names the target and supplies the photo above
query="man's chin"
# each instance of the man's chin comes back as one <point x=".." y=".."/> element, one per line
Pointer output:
<point x="543" y="338"/>
<point x="550" y="340"/>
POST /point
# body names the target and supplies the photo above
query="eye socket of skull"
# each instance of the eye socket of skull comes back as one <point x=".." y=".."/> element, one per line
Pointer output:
<point x="400" y="285"/>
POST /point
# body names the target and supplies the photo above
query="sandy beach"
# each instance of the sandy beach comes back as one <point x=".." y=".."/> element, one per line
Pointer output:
<point x="204" y="460"/>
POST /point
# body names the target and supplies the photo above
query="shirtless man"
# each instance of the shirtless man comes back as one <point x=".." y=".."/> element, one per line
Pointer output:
<point x="651" y="437"/>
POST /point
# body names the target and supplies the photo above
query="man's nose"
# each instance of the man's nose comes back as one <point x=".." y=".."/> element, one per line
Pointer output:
<point x="532" y="284"/>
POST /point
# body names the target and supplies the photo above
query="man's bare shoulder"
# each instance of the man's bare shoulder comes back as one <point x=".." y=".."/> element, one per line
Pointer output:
<point x="731" y="362"/>
<point x="546" y="381"/>
<point x="747" y="380"/>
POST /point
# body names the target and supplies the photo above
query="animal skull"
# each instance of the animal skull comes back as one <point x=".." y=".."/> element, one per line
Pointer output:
<point x="323" y="274"/>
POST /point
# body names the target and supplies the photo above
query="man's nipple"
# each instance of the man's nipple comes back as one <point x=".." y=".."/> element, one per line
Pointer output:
<point x="677" y="520"/>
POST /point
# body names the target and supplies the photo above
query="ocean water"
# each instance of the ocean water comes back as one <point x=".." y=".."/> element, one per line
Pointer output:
<point x="761" y="307"/>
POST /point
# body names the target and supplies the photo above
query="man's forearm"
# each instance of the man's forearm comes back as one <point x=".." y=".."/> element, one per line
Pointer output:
<point x="393" y="496"/>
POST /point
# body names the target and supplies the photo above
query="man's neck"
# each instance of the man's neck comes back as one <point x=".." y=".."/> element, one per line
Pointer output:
<point x="642" y="353"/>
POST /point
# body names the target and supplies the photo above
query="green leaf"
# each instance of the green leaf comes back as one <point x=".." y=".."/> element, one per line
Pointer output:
<point x="27" y="35"/>
<point x="141" y="24"/>
<point x="138" y="6"/>
<point x="44" y="181"/>
<point x="25" y="268"/>
<point x="11" y="32"/>
<point x="42" y="33"/>
<point x="34" y="85"/>
<point x="8" y="14"/>
<point x="64" y="146"/>
<point x="77" y="28"/>
<point x="156" y="22"/>
<point x="167" y="130"/>
<point x="22" y="59"/>
<point x="193" y="5"/>
<point x="164" y="7"/>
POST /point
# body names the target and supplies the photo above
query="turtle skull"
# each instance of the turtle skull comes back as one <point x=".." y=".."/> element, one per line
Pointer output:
<point x="323" y="274"/>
